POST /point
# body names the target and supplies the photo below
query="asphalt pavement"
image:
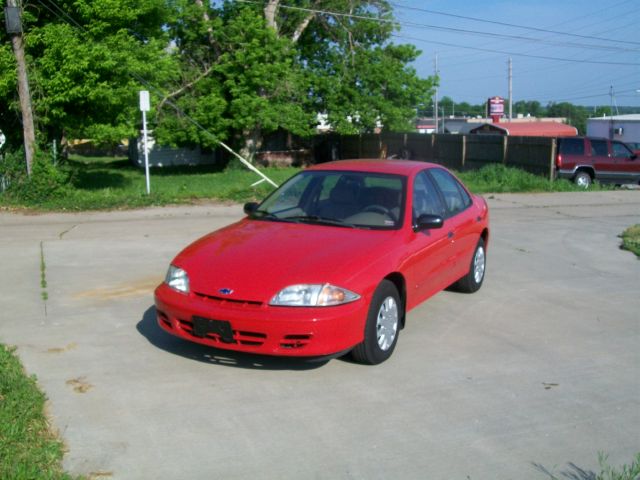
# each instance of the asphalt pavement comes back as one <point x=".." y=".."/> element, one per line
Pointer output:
<point x="529" y="378"/>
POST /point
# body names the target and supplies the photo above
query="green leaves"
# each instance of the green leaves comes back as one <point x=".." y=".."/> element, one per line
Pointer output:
<point x="216" y="70"/>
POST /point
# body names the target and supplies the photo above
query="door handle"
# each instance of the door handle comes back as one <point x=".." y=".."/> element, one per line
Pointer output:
<point x="450" y="235"/>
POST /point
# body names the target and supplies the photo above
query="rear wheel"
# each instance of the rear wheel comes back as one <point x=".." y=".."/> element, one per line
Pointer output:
<point x="472" y="281"/>
<point x="582" y="179"/>
<point x="382" y="326"/>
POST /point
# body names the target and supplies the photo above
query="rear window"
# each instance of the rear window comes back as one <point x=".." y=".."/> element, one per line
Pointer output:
<point x="572" y="146"/>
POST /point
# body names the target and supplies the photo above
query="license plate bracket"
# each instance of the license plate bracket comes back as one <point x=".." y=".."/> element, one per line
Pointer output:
<point x="203" y="326"/>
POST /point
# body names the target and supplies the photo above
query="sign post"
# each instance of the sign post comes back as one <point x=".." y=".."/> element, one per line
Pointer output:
<point x="145" y="106"/>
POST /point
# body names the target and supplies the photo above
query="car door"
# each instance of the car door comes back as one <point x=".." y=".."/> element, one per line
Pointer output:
<point x="431" y="251"/>
<point x="460" y="221"/>
<point x="602" y="161"/>
<point x="627" y="166"/>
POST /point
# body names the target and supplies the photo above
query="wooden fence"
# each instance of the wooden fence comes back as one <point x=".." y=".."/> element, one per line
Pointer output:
<point x="459" y="152"/>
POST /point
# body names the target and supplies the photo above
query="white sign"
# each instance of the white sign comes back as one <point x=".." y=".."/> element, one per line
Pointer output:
<point x="145" y="104"/>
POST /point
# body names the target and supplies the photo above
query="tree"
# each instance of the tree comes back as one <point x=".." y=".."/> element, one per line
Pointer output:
<point x="359" y="78"/>
<point x="224" y="70"/>
<point x="238" y="79"/>
<point x="85" y="72"/>
<point x="575" y="115"/>
<point x="532" y="108"/>
<point x="266" y="66"/>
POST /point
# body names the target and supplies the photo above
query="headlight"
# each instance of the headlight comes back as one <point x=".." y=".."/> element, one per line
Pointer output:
<point x="177" y="279"/>
<point x="314" y="295"/>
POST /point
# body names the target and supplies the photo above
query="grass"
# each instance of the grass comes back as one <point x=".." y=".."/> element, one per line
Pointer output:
<point x="28" y="448"/>
<point x="500" y="179"/>
<point x="627" y="472"/>
<point x="115" y="183"/>
<point x="108" y="183"/>
<point x="43" y="275"/>
<point x="631" y="239"/>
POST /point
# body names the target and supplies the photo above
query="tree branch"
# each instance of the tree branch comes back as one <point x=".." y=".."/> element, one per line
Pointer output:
<point x="302" y="27"/>
<point x="184" y="88"/>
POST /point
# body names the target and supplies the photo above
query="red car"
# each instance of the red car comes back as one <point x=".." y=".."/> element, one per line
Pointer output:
<point x="330" y="262"/>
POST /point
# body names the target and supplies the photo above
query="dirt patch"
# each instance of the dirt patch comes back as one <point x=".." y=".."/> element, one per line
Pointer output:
<point x="135" y="288"/>
<point x="66" y="348"/>
<point x="80" y="385"/>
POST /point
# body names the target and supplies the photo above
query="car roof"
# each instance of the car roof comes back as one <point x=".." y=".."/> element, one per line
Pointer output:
<point x="375" y="165"/>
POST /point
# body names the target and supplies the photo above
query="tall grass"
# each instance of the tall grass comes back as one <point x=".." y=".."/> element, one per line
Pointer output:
<point x="113" y="183"/>
<point x="28" y="449"/>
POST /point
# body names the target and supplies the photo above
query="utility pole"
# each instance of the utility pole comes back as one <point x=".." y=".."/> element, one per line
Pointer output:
<point x="510" y="89"/>
<point x="14" y="29"/>
<point x="435" y="116"/>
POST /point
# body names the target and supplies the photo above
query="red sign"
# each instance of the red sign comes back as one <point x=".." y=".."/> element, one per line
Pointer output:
<point x="496" y="106"/>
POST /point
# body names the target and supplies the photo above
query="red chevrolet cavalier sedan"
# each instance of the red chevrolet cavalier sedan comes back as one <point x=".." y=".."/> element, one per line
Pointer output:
<point x="330" y="262"/>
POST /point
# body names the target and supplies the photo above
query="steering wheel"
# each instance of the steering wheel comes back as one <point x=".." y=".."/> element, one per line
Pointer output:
<point x="378" y="209"/>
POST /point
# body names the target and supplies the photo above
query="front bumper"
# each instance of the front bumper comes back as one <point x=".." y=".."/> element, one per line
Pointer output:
<point x="261" y="328"/>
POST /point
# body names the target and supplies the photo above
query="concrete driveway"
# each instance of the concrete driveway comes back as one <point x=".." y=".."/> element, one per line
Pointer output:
<point x="528" y="378"/>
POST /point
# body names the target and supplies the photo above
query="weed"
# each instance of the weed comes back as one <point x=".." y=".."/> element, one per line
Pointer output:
<point x="631" y="239"/>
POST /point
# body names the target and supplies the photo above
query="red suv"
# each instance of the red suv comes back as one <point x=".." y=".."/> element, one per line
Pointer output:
<point x="585" y="159"/>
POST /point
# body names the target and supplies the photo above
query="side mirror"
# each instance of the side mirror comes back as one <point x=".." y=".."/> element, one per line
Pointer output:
<point x="428" y="222"/>
<point x="250" y="207"/>
<point x="633" y="156"/>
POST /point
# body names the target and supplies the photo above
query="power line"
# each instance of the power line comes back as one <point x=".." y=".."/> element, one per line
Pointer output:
<point x="446" y="29"/>
<point x="512" y="25"/>
<point x="558" y="59"/>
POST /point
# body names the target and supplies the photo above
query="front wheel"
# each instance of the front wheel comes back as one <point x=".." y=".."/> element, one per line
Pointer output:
<point x="472" y="281"/>
<point x="382" y="326"/>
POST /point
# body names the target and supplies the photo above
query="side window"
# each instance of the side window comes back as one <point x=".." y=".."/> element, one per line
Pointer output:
<point x="425" y="197"/>
<point x="620" y="150"/>
<point x="456" y="198"/>
<point x="599" y="148"/>
<point x="572" y="146"/>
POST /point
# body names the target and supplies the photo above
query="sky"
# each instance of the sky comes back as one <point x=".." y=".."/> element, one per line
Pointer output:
<point x="473" y="40"/>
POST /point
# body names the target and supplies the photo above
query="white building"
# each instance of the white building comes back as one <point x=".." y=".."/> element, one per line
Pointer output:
<point x="618" y="127"/>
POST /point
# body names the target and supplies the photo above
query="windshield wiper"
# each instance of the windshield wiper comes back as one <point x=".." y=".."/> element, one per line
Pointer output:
<point x="316" y="219"/>
<point x="264" y="215"/>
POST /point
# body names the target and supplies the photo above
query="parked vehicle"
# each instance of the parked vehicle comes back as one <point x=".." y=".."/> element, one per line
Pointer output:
<point x="330" y="262"/>
<point x="634" y="146"/>
<point x="585" y="159"/>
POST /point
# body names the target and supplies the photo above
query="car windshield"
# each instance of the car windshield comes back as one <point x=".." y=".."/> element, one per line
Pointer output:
<point x="338" y="198"/>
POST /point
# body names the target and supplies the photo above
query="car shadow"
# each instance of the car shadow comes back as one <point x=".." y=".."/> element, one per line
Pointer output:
<point x="148" y="328"/>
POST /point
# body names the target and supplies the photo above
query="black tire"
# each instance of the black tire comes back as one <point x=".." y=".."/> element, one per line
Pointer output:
<point x="472" y="281"/>
<point x="582" y="179"/>
<point x="382" y="327"/>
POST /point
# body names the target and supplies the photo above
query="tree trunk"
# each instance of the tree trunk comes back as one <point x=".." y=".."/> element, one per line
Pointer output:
<point x="25" y="97"/>
<point x="270" y="13"/>
<point x="252" y="143"/>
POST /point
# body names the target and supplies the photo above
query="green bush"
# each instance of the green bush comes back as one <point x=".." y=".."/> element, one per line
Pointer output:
<point x="631" y="239"/>
<point x="45" y="183"/>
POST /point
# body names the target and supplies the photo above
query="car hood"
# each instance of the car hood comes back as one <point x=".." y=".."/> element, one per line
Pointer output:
<point x="252" y="260"/>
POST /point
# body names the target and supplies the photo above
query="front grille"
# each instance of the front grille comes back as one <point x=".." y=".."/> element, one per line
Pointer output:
<point x="222" y="301"/>
<point x="240" y="337"/>
<point x="295" y="341"/>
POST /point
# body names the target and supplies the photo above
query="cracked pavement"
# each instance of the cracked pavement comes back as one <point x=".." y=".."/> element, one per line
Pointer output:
<point x="528" y="378"/>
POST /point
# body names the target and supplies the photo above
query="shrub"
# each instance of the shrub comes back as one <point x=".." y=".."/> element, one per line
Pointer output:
<point x="46" y="181"/>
